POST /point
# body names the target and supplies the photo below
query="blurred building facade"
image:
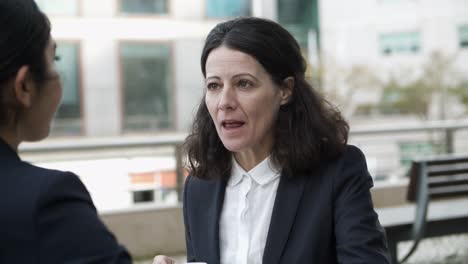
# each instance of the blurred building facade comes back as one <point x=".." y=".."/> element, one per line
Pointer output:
<point x="382" y="39"/>
<point x="389" y="34"/>
<point x="132" y="67"/>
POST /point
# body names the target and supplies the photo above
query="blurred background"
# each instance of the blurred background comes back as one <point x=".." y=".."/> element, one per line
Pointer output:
<point x="397" y="69"/>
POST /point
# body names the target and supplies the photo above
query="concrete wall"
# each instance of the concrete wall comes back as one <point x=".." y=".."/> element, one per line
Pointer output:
<point x="150" y="231"/>
<point x="389" y="194"/>
<point x="189" y="82"/>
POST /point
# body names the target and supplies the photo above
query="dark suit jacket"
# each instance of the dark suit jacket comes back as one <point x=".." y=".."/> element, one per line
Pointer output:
<point x="47" y="216"/>
<point x="327" y="217"/>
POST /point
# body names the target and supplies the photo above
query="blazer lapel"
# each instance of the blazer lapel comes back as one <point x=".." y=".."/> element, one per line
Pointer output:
<point x="287" y="201"/>
<point x="214" y="204"/>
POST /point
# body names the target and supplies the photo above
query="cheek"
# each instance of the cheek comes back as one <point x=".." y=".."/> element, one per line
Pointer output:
<point x="210" y="105"/>
<point x="265" y="113"/>
<point x="60" y="93"/>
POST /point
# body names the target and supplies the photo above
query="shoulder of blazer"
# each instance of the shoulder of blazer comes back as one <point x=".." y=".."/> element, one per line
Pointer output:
<point x="351" y="157"/>
<point x="57" y="184"/>
<point x="196" y="186"/>
<point x="350" y="169"/>
<point x="45" y="184"/>
<point x="44" y="176"/>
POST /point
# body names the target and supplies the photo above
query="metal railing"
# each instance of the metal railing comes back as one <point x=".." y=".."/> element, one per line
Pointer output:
<point x="447" y="127"/>
<point x="133" y="145"/>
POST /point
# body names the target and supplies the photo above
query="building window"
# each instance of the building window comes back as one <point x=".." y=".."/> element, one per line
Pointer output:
<point x="143" y="196"/>
<point x="146" y="73"/>
<point x="144" y="6"/>
<point x="227" y="8"/>
<point x="300" y="17"/>
<point x="59" y="7"/>
<point x="400" y="43"/>
<point x="68" y="120"/>
<point x="463" y="36"/>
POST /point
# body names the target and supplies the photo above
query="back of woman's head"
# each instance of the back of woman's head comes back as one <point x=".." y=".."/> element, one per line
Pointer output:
<point x="308" y="128"/>
<point x="25" y="32"/>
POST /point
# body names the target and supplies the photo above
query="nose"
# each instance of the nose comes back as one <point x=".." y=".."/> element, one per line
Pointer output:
<point x="228" y="99"/>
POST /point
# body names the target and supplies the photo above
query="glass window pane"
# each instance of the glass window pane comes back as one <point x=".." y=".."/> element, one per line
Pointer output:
<point x="143" y="196"/>
<point x="298" y="12"/>
<point x="400" y="43"/>
<point x="68" y="117"/>
<point x="146" y="70"/>
<point x="59" y="7"/>
<point x="144" y="6"/>
<point x="300" y="17"/>
<point x="227" y="8"/>
<point x="463" y="36"/>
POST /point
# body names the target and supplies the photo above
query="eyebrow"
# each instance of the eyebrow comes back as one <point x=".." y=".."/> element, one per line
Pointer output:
<point x="213" y="77"/>
<point x="233" y="77"/>
<point x="241" y="74"/>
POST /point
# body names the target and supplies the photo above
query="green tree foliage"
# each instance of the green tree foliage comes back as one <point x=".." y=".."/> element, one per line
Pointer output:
<point x="461" y="92"/>
<point x="416" y="96"/>
<point x="412" y="98"/>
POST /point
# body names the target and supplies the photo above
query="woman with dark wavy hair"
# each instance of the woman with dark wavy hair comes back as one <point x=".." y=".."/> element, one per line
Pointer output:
<point x="272" y="179"/>
<point x="47" y="216"/>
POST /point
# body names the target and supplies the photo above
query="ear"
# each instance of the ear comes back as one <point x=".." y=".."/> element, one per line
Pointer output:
<point x="287" y="88"/>
<point x="24" y="87"/>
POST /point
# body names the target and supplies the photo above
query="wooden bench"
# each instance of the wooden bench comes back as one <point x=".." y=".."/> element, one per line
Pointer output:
<point x="439" y="189"/>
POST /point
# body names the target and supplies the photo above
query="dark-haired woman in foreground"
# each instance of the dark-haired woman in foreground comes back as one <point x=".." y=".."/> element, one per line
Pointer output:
<point x="47" y="216"/>
<point x="272" y="179"/>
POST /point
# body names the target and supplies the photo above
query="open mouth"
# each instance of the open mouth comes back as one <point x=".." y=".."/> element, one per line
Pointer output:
<point x="232" y="124"/>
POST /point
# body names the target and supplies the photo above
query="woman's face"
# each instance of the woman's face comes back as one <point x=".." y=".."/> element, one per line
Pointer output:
<point x="38" y="117"/>
<point x="243" y="101"/>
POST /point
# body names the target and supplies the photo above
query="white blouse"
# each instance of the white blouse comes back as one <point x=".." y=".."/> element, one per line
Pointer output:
<point x="246" y="213"/>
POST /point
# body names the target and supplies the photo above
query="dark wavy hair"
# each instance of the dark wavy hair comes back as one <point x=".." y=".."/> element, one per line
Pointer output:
<point x="25" y="32"/>
<point x="308" y="129"/>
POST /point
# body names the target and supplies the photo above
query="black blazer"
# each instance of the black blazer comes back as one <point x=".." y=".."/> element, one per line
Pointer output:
<point x="47" y="216"/>
<point x="327" y="217"/>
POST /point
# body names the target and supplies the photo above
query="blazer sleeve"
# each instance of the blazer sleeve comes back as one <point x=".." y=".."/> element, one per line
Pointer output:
<point x="68" y="228"/>
<point x="188" y="240"/>
<point x="359" y="235"/>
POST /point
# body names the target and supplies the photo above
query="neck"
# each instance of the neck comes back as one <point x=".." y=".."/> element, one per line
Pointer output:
<point x="10" y="138"/>
<point x="248" y="160"/>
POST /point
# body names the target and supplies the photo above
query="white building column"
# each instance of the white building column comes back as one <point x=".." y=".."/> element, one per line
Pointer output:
<point x="265" y="9"/>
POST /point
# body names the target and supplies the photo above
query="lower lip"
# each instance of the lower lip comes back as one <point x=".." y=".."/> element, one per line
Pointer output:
<point x="232" y="130"/>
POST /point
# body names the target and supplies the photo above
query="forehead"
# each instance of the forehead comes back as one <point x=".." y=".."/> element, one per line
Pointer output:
<point x="228" y="61"/>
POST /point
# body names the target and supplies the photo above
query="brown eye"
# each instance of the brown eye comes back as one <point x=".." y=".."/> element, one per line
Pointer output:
<point x="244" y="84"/>
<point x="212" y="86"/>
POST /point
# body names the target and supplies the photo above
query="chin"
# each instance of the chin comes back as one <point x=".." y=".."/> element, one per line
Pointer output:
<point x="37" y="137"/>
<point x="233" y="146"/>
